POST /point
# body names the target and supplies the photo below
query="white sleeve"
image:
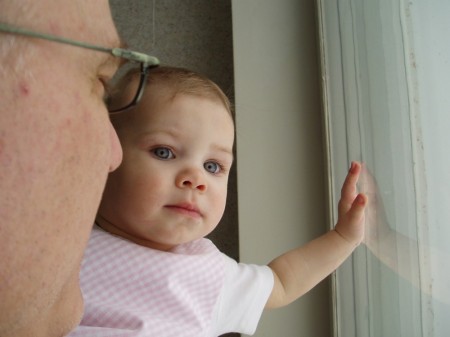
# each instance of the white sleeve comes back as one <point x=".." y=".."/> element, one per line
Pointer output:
<point x="243" y="297"/>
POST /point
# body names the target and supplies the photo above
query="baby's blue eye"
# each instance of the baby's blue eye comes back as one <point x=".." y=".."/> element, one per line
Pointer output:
<point x="163" y="153"/>
<point x="212" y="167"/>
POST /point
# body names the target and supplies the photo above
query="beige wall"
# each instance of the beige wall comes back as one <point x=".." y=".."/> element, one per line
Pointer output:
<point x="279" y="147"/>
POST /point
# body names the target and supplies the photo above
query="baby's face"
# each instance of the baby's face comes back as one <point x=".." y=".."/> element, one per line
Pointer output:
<point x="171" y="187"/>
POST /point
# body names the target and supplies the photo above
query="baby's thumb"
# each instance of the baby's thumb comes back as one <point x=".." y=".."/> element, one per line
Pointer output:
<point x="356" y="212"/>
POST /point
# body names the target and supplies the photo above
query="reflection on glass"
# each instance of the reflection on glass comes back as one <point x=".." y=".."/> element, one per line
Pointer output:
<point x="387" y="104"/>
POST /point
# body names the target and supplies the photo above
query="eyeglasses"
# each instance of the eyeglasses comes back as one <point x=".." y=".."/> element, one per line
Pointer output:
<point x="146" y="61"/>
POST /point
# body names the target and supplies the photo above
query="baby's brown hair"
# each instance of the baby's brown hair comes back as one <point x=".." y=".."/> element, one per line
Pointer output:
<point x="171" y="81"/>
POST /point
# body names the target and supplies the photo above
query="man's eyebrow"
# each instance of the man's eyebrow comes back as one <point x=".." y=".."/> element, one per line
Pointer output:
<point x="114" y="61"/>
<point x="117" y="61"/>
<point x="121" y="61"/>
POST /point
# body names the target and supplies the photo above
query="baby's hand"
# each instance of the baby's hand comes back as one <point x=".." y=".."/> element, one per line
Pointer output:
<point x="350" y="225"/>
<point x="377" y="226"/>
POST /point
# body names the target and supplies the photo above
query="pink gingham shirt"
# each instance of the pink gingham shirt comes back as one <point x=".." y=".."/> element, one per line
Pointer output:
<point x="194" y="290"/>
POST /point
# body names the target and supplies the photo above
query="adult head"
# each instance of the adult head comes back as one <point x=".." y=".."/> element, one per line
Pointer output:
<point x="56" y="149"/>
<point x="171" y="187"/>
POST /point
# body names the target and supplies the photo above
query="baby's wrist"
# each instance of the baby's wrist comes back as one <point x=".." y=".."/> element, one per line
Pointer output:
<point x="348" y="241"/>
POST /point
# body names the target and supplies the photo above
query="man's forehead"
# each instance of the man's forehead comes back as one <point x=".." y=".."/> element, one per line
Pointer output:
<point x="92" y="22"/>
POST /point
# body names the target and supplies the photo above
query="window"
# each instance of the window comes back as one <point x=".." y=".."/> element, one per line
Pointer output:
<point x="386" y="92"/>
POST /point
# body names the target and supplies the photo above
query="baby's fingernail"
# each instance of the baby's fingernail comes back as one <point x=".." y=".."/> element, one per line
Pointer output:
<point x="352" y="167"/>
<point x="360" y="199"/>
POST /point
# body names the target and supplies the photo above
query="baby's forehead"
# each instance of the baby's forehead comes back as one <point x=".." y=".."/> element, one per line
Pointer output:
<point x="166" y="96"/>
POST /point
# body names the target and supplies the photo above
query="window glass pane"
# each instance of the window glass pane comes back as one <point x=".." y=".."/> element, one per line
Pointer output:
<point x="386" y="67"/>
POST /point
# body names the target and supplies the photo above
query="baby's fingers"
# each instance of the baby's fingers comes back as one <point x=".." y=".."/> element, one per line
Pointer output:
<point x="351" y="224"/>
<point x="348" y="191"/>
<point x="356" y="213"/>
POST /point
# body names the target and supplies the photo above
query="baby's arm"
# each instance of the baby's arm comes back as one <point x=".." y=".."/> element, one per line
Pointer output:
<point x="300" y="269"/>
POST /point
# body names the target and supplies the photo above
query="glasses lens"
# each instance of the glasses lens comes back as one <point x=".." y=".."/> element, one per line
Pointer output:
<point x="127" y="89"/>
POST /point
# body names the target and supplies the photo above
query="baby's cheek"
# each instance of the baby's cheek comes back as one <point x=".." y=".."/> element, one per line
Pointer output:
<point x="220" y="204"/>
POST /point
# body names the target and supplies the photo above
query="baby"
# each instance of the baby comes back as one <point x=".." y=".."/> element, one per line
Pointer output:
<point x="148" y="268"/>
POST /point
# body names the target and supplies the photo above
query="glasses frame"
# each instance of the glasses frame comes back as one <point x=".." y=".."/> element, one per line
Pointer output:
<point x="146" y="61"/>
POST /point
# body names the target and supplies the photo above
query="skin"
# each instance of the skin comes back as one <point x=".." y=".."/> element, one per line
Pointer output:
<point x="148" y="200"/>
<point x="170" y="188"/>
<point x="56" y="149"/>
<point x="299" y="270"/>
